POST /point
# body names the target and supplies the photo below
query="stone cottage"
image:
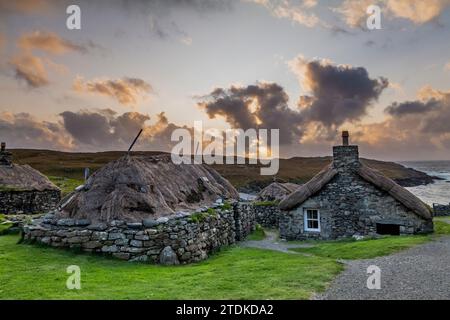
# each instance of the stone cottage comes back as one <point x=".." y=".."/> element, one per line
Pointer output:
<point x="24" y="190"/>
<point x="348" y="198"/>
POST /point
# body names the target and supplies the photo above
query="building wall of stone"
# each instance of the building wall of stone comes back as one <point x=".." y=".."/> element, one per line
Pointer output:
<point x="348" y="205"/>
<point x="268" y="216"/>
<point x="28" y="202"/>
<point x="191" y="239"/>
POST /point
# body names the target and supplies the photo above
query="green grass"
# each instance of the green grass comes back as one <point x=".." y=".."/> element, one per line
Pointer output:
<point x="371" y="248"/>
<point x="363" y="249"/>
<point x="266" y="203"/>
<point x="34" y="272"/>
<point x="67" y="185"/>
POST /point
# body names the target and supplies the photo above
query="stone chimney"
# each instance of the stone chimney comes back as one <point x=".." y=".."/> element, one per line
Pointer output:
<point x="5" y="156"/>
<point x="345" y="156"/>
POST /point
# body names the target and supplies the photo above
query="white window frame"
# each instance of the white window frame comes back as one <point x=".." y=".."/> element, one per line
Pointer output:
<point x="305" y="220"/>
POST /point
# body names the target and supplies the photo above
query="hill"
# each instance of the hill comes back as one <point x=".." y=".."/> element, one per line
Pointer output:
<point x="245" y="177"/>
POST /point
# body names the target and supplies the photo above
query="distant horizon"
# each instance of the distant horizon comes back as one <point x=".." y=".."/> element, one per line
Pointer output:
<point x="168" y="152"/>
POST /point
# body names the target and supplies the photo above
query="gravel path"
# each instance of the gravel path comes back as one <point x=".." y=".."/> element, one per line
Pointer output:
<point x="271" y="242"/>
<point x="422" y="272"/>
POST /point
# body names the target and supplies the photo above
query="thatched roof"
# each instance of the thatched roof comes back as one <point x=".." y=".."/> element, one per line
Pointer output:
<point x="23" y="178"/>
<point x="396" y="191"/>
<point x="277" y="191"/>
<point x="370" y="175"/>
<point x="308" y="189"/>
<point x="133" y="188"/>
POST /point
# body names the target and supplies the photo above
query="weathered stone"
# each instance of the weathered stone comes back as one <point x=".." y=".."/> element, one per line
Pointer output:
<point x="121" y="255"/>
<point x="110" y="249"/>
<point x="116" y="235"/>
<point x="92" y="244"/>
<point x="142" y="237"/>
<point x="149" y="223"/>
<point x="122" y="242"/>
<point x="136" y="243"/>
<point x="142" y="258"/>
<point x="82" y="222"/>
<point x="134" y="225"/>
<point x="168" y="257"/>
<point x="98" y="227"/>
<point x="66" y="222"/>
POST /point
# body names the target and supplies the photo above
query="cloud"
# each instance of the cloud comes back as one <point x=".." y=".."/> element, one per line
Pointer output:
<point x="417" y="11"/>
<point x="125" y="90"/>
<point x="24" y="6"/>
<point x="411" y="107"/>
<point x="338" y="93"/>
<point x="447" y="66"/>
<point x="21" y="130"/>
<point x="103" y="128"/>
<point x="286" y="9"/>
<point x="106" y="130"/>
<point x="413" y="129"/>
<point x="49" y="42"/>
<point x="263" y="105"/>
<point x="30" y="69"/>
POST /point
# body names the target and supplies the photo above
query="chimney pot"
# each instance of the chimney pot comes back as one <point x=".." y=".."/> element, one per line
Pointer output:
<point x="345" y="136"/>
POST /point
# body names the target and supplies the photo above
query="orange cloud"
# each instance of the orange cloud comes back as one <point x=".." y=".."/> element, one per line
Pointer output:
<point x="125" y="90"/>
<point x="30" y="69"/>
<point x="417" y="11"/>
<point x="24" y="6"/>
<point x="48" y="42"/>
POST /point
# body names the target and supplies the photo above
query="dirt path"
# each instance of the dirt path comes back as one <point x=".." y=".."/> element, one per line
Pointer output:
<point x="271" y="242"/>
<point x="422" y="272"/>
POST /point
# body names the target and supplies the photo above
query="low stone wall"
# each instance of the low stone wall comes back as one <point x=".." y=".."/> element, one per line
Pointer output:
<point x="182" y="238"/>
<point x="268" y="216"/>
<point x="441" y="210"/>
<point x="28" y="202"/>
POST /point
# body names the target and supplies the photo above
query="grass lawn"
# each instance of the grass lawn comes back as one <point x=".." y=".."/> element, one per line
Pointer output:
<point x="67" y="185"/>
<point x="33" y="272"/>
<point x="3" y="225"/>
<point x="371" y="248"/>
<point x="36" y="272"/>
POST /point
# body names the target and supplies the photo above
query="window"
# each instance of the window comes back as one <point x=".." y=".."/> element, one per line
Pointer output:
<point x="312" y="220"/>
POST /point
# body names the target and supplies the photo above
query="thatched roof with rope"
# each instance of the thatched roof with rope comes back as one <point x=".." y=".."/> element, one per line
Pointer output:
<point x="23" y="178"/>
<point x="370" y="175"/>
<point x="133" y="188"/>
<point x="277" y="191"/>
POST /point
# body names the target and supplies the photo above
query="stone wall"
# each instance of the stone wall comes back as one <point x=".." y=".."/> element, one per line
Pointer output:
<point x="28" y="202"/>
<point x="441" y="210"/>
<point x="268" y="216"/>
<point x="348" y="205"/>
<point x="181" y="238"/>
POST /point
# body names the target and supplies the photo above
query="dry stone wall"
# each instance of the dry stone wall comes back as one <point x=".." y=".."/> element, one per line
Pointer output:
<point x="181" y="238"/>
<point x="28" y="202"/>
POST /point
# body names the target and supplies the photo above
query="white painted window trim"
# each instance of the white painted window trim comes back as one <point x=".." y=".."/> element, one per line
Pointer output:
<point x="305" y="220"/>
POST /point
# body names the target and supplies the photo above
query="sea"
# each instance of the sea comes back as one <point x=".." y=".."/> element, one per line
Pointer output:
<point x="437" y="192"/>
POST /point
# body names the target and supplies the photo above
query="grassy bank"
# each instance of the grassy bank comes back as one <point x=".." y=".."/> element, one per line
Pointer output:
<point x="33" y="272"/>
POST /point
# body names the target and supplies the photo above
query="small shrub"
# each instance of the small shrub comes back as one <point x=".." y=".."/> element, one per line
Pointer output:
<point x="266" y="203"/>
<point x="227" y="206"/>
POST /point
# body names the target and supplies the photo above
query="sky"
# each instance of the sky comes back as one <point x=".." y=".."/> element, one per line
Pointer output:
<point x="309" y="68"/>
